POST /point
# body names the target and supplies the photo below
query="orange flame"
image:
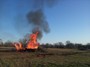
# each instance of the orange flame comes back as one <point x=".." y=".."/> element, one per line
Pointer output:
<point x="18" y="46"/>
<point x="32" y="44"/>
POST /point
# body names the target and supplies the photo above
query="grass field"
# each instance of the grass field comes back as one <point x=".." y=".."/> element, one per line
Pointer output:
<point x="54" y="58"/>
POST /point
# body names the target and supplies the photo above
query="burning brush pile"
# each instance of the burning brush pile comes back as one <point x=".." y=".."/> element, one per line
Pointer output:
<point x="36" y="18"/>
<point x="31" y="45"/>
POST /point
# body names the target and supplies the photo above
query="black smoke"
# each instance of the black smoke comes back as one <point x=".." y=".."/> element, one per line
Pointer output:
<point x="37" y="18"/>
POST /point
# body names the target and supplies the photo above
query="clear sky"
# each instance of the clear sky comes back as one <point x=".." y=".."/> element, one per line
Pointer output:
<point x="68" y="20"/>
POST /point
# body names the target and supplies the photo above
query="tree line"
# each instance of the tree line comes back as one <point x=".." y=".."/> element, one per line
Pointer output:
<point x="68" y="45"/>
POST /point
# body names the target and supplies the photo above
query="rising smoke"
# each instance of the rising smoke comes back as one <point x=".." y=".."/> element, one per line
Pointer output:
<point x="37" y="18"/>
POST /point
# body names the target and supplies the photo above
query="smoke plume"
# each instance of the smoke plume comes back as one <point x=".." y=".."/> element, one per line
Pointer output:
<point x="37" y="18"/>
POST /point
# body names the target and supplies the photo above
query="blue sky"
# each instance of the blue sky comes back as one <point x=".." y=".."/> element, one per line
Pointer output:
<point x="68" y="20"/>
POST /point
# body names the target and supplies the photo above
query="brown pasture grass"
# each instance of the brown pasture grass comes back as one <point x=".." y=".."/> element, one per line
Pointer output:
<point x="53" y="58"/>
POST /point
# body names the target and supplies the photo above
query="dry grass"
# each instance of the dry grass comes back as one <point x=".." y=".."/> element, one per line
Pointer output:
<point x="58" y="58"/>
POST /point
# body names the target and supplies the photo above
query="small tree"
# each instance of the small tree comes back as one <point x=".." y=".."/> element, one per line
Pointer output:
<point x="8" y="44"/>
<point x="1" y="42"/>
<point x="69" y="44"/>
<point x="88" y="45"/>
<point x="61" y="45"/>
<point x="25" y="40"/>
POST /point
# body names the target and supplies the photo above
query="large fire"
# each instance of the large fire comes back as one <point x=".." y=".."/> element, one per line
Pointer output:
<point x="33" y="41"/>
<point x="32" y="44"/>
